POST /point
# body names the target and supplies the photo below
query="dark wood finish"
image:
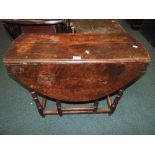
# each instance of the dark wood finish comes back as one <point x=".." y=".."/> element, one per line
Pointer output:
<point x="77" y="67"/>
<point x="45" y="63"/>
<point x="58" y="104"/>
<point x="37" y="102"/>
<point x="15" y="27"/>
<point x="38" y="29"/>
<point x="112" y="105"/>
<point x="116" y="100"/>
<point x="55" y="112"/>
<point x="76" y="109"/>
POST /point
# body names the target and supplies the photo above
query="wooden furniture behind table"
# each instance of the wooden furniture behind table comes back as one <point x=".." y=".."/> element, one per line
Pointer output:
<point x="77" y="68"/>
<point x="15" y="27"/>
<point x="136" y="24"/>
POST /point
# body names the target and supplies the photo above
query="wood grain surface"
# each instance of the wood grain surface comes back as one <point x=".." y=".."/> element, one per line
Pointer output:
<point x="45" y="63"/>
<point x="96" y="26"/>
<point x="91" y="47"/>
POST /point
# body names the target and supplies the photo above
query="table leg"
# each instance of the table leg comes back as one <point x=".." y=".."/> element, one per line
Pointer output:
<point x="96" y="105"/>
<point x="76" y="110"/>
<point x="116" y="101"/>
<point x="38" y="104"/>
<point x="58" y="104"/>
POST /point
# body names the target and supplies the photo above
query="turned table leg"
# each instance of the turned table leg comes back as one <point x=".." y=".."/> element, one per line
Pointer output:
<point x="116" y="101"/>
<point x="77" y="109"/>
<point x="38" y="104"/>
<point x="58" y="104"/>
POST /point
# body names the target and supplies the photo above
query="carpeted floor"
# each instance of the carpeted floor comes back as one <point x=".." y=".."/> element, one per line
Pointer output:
<point x="134" y="115"/>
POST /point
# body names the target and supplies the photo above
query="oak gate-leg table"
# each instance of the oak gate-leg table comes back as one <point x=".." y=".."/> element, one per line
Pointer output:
<point x="98" y="59"/>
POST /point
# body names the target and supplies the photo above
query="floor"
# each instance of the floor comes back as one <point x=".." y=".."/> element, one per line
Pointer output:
<point x="134" y="115"/>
